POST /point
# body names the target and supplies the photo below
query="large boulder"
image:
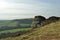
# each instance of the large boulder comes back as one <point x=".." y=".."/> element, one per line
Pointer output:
<point x="37" y="21"/>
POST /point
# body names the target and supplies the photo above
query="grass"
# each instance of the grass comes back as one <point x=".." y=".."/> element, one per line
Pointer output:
<point x="13" y="24"/>
<point x="48" y="32"/>
<point x="25" y="24"/>
<point x="15" y="30"/>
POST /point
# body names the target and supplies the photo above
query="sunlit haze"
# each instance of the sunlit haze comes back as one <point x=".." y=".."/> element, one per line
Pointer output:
<point x="18" y="9"/>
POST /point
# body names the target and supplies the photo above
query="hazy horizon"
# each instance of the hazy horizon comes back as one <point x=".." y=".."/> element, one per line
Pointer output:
<point x="19" y="9"/>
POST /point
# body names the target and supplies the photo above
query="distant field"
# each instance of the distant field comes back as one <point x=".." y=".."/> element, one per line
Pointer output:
<point x="15" y="30"/>
<point x="13" y="24"/>
<point x="8" y="27"/>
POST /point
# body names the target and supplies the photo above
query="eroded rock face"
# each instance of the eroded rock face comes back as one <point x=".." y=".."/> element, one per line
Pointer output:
<point x="37" y="21"/>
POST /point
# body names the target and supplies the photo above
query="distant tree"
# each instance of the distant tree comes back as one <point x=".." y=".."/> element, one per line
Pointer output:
<point x="53" y="18"/>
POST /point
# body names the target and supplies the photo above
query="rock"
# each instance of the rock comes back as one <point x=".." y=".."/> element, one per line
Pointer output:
<point x="37" y="21"/>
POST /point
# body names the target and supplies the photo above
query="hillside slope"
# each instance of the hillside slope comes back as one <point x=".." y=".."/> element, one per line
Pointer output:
<point x="15" y="24"/>
<point x="48" y="32"/>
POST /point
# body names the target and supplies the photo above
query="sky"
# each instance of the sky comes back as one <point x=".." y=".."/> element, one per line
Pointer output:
<point x="19" y="9"/>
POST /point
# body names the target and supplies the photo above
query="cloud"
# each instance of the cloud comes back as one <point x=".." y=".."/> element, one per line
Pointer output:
<point x="27" y="8"/>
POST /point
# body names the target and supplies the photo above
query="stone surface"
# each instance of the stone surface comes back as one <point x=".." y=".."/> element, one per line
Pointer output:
<point x="39" y="21"/>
